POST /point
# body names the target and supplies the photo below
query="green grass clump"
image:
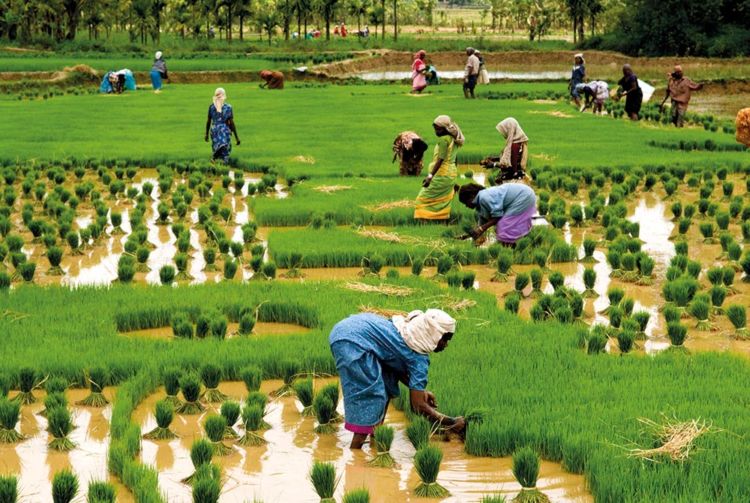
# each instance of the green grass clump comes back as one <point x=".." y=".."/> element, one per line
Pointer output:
<point x="526" y="470"/>
<point x="303" y="388"/>
<point x="215" y="426"/>
<point x="737" y="314"/>
<point x="27" y="381"/>
<point x="700" y="310"/>
<point x="427" y="463"/>
<point x="419" y="431"/>
<point x="201" y="453"/>
<point x="190" y="386"/>
<point x="164" y="413"/>
<point x="325" y="414"/>
<point x="252" y="377"/>
<point x="101" y="492"/>
<point x="252" y="417"/>
<point x="10" y="412"/>
<point x="597" y="340"/>
<point x="324" y="480"/>
<point x="211" y="376"/>
<point x="230" y="410"/>
<point x="96" y="377"/>
<point x="357" y="496"/>
<point x="503" y="264"/>
<point x="383" y="438"/>
<point x="8" y="489"/>
<point x="206" y="484"/>
<point x="677" y="333"/>
<point x="59" y="424"/>
<point x="171" y="378"/>
<point x="64" y="486"/>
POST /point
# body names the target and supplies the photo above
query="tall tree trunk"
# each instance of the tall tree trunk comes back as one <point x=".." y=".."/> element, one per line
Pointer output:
<point x="242" y="29"/>
<point x="382" y="32"/>
<point x="299" y="23"/>
<point x="229" y="23"/>
<point x="395" y="19"/>
<point x="328" y="24"/>
<point x="575" y="29"/>
<point x="581" y="33"/>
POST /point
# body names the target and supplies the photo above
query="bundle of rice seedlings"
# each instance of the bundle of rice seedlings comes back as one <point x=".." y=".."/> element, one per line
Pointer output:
<point x="681" y="247"/>
<point x="211" y="376"/>
<point x="182" y="327"/>
<point x="164" y="413"/>
<point x="646" y="270"/>
<point x="627" y="305"/>
<point x="707" y="230"/>
<point x="252" y="377"/>
<point x="614" y="259"/>
<point x="96" y="378"/>
<point x="616" y="314"/>
<point x="201" y="453"/>
<point x="419" y="431"/>
<point x="676" y="210"/>
<point x="677" y="333"/>
<point x="215" y="426"/>
<point x="453" y="278"/>
<point x="689" y="210"/>
<point x="252" y="417"/>
<point x="521" y="282"/>
<point x="556" y="279"/>
<point x="615" y="296"/>
<point x="526" y="470"/>
<point x="64" y="486"/>
<point x="357" y="496"/>
<point x="597" y="342"/>
<point x="642" y="318"/>
<point x="171" y="378"/>
<point x="722" y="220"/>
<point x="101" y="492"/>
<point x="59" y="424"/>
<point x="503" y="263"/>
<point x="589" y="281"/>
<point x="303" y="388"/>
<point x="218" y="326"/>
<point x="714" y="275"/>
<point x="27" y="381"/>
<point x="737" y="314"/>
<point x="680" y="291"/>
<point x="734" y="254"/>
<point x="54" y="256"/>
<point x="324" y="480"/>
<point x="417" y="266"/>
<point x="230" y="410"/>
<point x="717" y="293"/>
<point x="444" y="264"/>
<point x="191" y="390"/>
<point x="496" y="498"/>
<point x="167" y="275"/>
<point x="700" y="311"/>
<point x="261" y="400"/>
<point x="325" y="413"/>
<point x="55" y="388"/>
<point x="383" y="438"/>
<point x="206" y="485"/>
<point x="728" y="274"/>
<point x="8" y="489"/>
<point x="427" y="463"/>
<point x="539" y="258"/>
<point x="247" y="323"/>
<point x="467" y="280"/>
<point x="589" y="246"/>
<point x="537" y="277"/>
<point x="672" y="314"/>
<point x="10" y="411"/>
<point x="512" y="302"/>
<point x="289" y="370"/>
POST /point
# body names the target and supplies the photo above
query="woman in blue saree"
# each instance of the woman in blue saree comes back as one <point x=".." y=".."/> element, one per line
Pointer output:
<point x="220" y="125"/>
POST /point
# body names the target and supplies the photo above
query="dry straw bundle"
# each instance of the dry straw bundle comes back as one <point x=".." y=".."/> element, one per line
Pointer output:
<point x="330" y="189"/>
<point x="742" y="125"/>
<point x="403" y="203"/>
<point x="676" y="438"/>
<point x="387" y="290"/>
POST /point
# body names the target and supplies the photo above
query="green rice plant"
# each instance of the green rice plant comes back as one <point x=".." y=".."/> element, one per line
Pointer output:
<point x="616" y="315"/>
<point x="59" y="424"/>
<point x="562" y="252"/>
<point x="97" y="377"/>
<point x="503" y="263"/>
<point x="427" y="463"/>
<point x="539" y="258"/>
<point x="53" y="400"/>
<point x="167" y="275"/>
<point x="614" y="257"/>
<point x="526" y="470"/>
<point x="8" y="489"/>
<point x="190" y="386"/>
<point x="324" y="480"/>
<point x="209" y="255"/>
<point x="646" y="267"/>
<point x="331" y="390"/>
<point x="495" y="498"/>
<point x="261" y="400"/>
<point x="215" y="426"/>
<point x="714" y="275"/>
<point x="576" y="215"/>
<point x="211" y="376"/>
<point x="683" y="225"/>
<point x="453" y="278"/>
<point x="676" y="210"/>
<point x="417" y="266"/>
<point x="289" y="370"/>
<point x="589" y="281"/>
<point x="672" y="314"/>
<point x="206" y="488"/>
<point x="230" y="410"/>
<point x="5" y="280"/>
<point x="700" y="311"/>
<point x="230" y="268"/>
<point x="26" y="270"/>
<point x="728" y="279"/>
<point x="101" y="492"/>
<point x="251" y="376"/>
<point x="557" y="280"/>
<point x="252" y="417"/>
<point x="641" y="318"/>
<point x="467" y="280"/>
<point x="745" y="265"/>
<point x="745" y="227"/>
<point x="727" y="188"/>
<point x="734" y="254"/>
<point x="677" y="333"/>
<point x="707" y="231"/>
<point x="171" y="377"/>
<point x="419" y="431"/>
<point x="357" y="496"/>
<point x="615" y="296"/>
<point x="382" y="439"/>
<point x="303" y="388"/>
<point x="325" y="412"/>
<point x="627" y="304"/>
<point x="54" y="255"/>
<point x="679" y="262"/>
<point x="27" y="381"/>
<point x="589" y="246"/>
<point x="722" y="220"/>
<point x="247" y="324"/>
<point x="201" y="453"/>
<point x="576" y="304"/>
<point x="681" y="247"/>
<point x="64" y="486"/>
<point x="182" y="327"/>
<point x="737" y="315"/>
<point x="597" y="340"/>
<point x="563" y="314"/>
<point x="718" y="294"/>
<point x="689" y="211"/>
<point x="125" y="269"/>
<point x="10" y="412"/>
<point x="537" y="277"/>
<point x="164" y="413"/>
<point x="521" y="282"/>
<point x="218" y="326"/>
<point x="680" y="291"/>
<point x="512" y="302"/>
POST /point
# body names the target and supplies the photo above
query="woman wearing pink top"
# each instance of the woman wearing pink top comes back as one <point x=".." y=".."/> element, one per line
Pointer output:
<point x="418" y="69"/>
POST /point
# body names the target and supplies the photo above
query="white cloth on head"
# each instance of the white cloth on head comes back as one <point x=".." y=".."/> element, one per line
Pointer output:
<point x="422" y="331"/>
<point x="220" y="95"/>
<point x="511" y="130"/>
<point x="447" y="123"/>
<point x="580" y="55"/>
<point x="158" y="55"/>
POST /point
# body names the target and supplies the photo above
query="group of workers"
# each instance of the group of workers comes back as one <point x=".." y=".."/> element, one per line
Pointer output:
<point x="475" y="73"/>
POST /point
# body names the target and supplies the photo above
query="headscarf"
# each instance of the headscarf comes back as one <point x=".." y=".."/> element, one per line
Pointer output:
<point x="627" y="69"/>
<point x="470" y="50"/>
<point x="420" y="54"/>
<point x="158" y="55"/>
<point x="511" y="130"/>
<point x="422" y="331"/>
<point x="447" y="123"/>
<point x="266" y="75"/>
<point x="579" y="55"/>
<point x="220" y="95"/>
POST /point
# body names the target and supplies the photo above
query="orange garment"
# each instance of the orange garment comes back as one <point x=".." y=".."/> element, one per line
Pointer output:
<point x="681" y="90"/>
<point x="274" y="80"/>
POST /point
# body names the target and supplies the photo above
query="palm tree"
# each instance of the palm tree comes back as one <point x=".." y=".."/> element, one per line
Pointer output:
<point x="327" y="9"/>
<point x="243" y="11"/>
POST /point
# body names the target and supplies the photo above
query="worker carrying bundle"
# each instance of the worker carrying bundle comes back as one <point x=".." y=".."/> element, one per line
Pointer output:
<point x="742" y="125"/>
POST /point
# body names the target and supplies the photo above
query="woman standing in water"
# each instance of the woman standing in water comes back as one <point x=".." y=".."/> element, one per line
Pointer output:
<point x="220" y="125"/>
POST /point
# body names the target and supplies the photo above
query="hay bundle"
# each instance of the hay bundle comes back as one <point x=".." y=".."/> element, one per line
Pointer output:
<point x="403" y="203"/>
<point x="385" y="313"/>
<point x="390" y="237"/>
<point x="387" y="290"/>
<point x="742" y="125"/>
<point x="676" y="439"/>
<point x="330" y="189"/>
<point x="78" y="73"/>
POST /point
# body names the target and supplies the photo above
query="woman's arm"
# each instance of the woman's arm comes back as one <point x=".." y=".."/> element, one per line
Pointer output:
<point x="423" y="403"/>
<point x="208" y="126"/>
<point x="233" y="128"/>
<point x="477" y="231"/>
<point x="428" y="179"/>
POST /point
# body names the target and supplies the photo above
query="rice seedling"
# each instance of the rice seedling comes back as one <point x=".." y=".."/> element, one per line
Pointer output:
<point x="64" y="486"/>
<point x="597" y="341"/>
<point x="382" y="440"/>
<point x="521" y="282"/>
<point x="26" y="270"/>
<point x="737" y="315"/>
<point x="167" y="275"/>
<point x="503" y="264"/>
<point x="681" y="247"/>
<point x="27" y="381"/>
<point x="641" y="318"/>
<point x="247" y="324"/>
<point x="627" y="305"/>
<point x="419" y="431"/>
<point x="218" y="326"/>
<point x="164" y="413"/>
<point x="444" y="264"/>
<point x="676" y="210"/>
<point x="493" y="499"/>
<point x="252" y="377"/>
<point x="512" y="302"/>
<point x="206" y="485"/>
<point x="734" y="254"/>
<point x="453" y="278"/>
<point x="714" y="275"/>
<point x="325" y="413"/>
<point x="8" y="489"/>
<point x="101" y="492"/>
<point x="252" y="417"/>
<point x="10" y="412"/>
<point x="589" y="281"/>
<point x="589" y="246"/>
<point x="467" y="280"/>
<point x="324" y="480"/>
<point x="680" y="291"/>
<point x="646" y="270"/>
<point x="616" y="315"/>
<point x="303" y="388"/>
<point x="211" y="376"/>
<point x="191" y="390"/>
<point x="59" y="424"/>
<point x="615" y="296"/>
<point x="201" y="453"/>
<point x="171" y="377"/>
<point x="125" y="269"/>
<point x="261" y="400"/>
<point x="289" y="371"/>
<point x="230" y="410"/>
<point x="230" y="268"/>
<point x="526" y="470"/>
<point x="700" y="311"/>
<point x="745" y="227"/>
<point x="427" y="463"/>
<point x="614" y="258"/>
<point x="537" y="277"/>
<point x="357" y="496"/>
<point x="96" y="377"/>
<point x="557" y="280"/>
<point x="728" y="279"/>
<point x="677" y="333"/>
<point x="718" y="294"/>
<point x="215" y="426"/>
<point x="707" y="231"/>
<point x="722" y="220"/>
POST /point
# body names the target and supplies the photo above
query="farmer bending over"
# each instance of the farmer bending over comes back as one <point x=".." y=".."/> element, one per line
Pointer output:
<point x="509" y="207"/>
<point x="373" y="354"/>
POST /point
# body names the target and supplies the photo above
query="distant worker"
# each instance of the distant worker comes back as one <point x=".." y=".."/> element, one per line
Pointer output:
<point x="577" y="76"/>
<point x="158" y="72"/>
<point x="434" y="200"/>
<point x="272" y="80"/>
<point x="374" y="354"/>
<point x="419" y="73"/>
<point x="117" y="82"/>
<point x="629" y="87"/>
<point x="509" y="207"/>
<point x="220" y="125"/>
<point x="409" y="148"/>
<point x="679" y="89"/>
<point x="484" y="76"/>
<point x="471" y="73"/>
<point x="595" y="93"/>
<point x="742" y="127"/>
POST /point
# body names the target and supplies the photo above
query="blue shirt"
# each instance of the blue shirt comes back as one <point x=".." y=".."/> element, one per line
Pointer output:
<point x="379" y="336"/>
<point x="508" y="199"/>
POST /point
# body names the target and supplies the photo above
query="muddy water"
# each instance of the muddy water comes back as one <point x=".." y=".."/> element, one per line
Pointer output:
<point x="35" y="465"/>
<point x="278" y="470"/>
<point x="261" y="328"/>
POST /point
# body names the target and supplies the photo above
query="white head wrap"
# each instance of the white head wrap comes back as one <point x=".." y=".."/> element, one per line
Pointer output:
<point x="447" y="123"/>
<point x="580" y="55"/>
<point x="220" y="95"/>
<point x="511" y="130"/>
<point x="423" y="330"/>
<point x="158" y="55"/>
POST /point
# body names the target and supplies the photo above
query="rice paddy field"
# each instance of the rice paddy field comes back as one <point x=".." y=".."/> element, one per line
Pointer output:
<point x="164" y="319"/>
